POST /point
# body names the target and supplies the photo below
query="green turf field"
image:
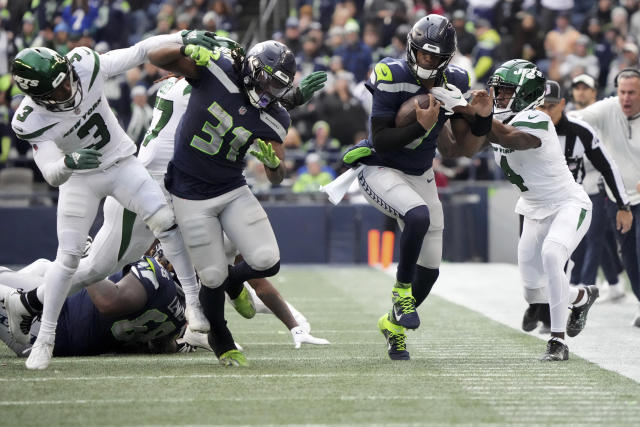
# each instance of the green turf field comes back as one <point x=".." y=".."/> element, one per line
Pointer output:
<point x="465" y="369"/>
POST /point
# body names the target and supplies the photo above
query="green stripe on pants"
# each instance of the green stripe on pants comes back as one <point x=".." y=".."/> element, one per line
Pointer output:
<point x="128" y="219"/>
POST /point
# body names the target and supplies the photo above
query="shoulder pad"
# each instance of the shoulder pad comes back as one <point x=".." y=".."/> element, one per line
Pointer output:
<point x="28" y="124"/>
<point x="531" y="119"/>
<point x="392" y="75"/>
<point x="458" y="77"/>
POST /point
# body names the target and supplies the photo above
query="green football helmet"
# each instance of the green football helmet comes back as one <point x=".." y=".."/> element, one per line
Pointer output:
<point x="39" y="71"/>
<point x="518" y="86"/>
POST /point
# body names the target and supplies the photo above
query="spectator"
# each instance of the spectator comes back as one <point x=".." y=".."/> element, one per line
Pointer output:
<point x="581" y="61"/>
<point x="335" y="38"/>
<point x="628" y="58"/>
<point x="210" y="21"/>
<point x="308" y="60"/>
<point x="223" y="10"/>
<point x="80" y="15"/>
<point x="551" y="9"/>
<point x="603" y="12"/>
<point x="620" y="20"/>
<point x="29" y="36"/>
<point x="314" y="177"/>
<point x="485" y="51"/>
<point x="559" y="43"/>
<point x="356" y="55"/>
<point x="292" y="35"/>
<point x="322" y="142"/>
<point x="61" y="38"/>
<point x="527" y="39"/>
<point x="141" y="114"/>
<point x="466" y="39"/>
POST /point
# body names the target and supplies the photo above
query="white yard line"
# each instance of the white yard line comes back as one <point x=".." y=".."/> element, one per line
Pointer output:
<point x="495" y="291"/>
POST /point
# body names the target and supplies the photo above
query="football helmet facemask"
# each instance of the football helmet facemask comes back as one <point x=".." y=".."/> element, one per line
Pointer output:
<point x="518" y="85"/>
<point x="39" y="72"/>
<point x="268" y="71"/>
<point x="434" y="35"/>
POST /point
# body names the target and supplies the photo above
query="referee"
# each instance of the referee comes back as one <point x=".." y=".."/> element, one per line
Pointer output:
<point x="579" y="139"/>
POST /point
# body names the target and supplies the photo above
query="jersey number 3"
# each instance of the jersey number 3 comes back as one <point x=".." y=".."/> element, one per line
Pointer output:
<point x="217" y="133"/>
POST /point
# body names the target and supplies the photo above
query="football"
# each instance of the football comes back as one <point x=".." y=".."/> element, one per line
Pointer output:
<point x="406" y="114"/>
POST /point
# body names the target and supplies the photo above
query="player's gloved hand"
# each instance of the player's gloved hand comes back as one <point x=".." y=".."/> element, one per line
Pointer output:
<point x="199" y="37"/>
<point x="84" y="158"/>
<point x="266" y="155"/>
<point x="200" y="54"/>
<point x="450" y="96"/>
<point x="311" y="84"/>
<point x="301" y="337"/>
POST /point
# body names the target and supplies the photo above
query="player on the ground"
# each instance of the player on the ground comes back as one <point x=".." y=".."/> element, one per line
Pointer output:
<point x="397" y="176"/>
<point x="234" y="103"/>
<point x="79" y="146"/>
<point x="142" y="312"/>
<point x="556" y="209"/>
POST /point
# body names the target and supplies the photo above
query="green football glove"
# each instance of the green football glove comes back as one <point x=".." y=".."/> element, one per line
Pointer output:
<point x="266" y="155"/>
<point x="200" y="38"/>
<point x="200" y="54"/>
<point x="311" y="84"/>
<point x="84" y="158"/>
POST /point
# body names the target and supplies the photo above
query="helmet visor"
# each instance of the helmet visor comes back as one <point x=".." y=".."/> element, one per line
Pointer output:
<point x="276" y="85"/>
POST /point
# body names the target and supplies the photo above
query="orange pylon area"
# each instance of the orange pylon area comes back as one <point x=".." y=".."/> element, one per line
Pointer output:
<point x="374" y="247"/>
<point x="387" y="248"/>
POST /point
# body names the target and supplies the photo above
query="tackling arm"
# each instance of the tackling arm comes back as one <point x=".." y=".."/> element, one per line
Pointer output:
<point x="50" y="161"/>
<point x="172" y="59"/>
<point x="118" y="299"/>
<point x="511" y="137"/>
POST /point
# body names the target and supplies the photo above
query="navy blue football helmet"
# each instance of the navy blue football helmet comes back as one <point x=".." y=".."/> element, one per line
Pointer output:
<point x="435" y="35"/>
<point x="268" y="71"/>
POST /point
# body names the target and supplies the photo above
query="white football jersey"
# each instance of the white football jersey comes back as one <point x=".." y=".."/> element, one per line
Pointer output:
<point x="540" y="174"/>
<point x="91" y="125"/>
<point x="171" y="103"/>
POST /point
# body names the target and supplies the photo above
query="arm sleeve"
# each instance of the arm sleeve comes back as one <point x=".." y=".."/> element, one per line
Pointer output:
<point x="593" y="114"/>
<point x="50" y="161"/>
<point x="385" y="137"/>
<point x="599" y="156"/>
<point x="120" y="60"/>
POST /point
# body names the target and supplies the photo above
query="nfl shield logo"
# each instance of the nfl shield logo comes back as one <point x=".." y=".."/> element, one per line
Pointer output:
<point x="242" y="110"/>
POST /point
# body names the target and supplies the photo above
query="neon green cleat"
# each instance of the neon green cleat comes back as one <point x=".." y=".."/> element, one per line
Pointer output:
<point x="244" y="304"/>
<point x="396" y="338"/>
<point x="404" y="308"/>
<point x="233" y="358"/>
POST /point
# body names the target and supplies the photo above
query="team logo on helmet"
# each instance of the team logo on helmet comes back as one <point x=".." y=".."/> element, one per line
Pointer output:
<point x="26" y="83"/>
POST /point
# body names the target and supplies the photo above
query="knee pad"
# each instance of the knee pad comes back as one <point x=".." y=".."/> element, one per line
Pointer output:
<point x="536" y="296"/>
<point x="68" y="261"/>
<point x="264" y="259"/>
<point x="271" y="271"/>
<point x="162" y="222"/>
<point x="417" y="219"/>
<point x="213" y="277"/>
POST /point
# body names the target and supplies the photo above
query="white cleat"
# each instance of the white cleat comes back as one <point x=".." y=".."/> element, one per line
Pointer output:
<point x="20" y="319"/>
<point x="196" y="339"/>
<point x="196" y="319"/>
<point x="301" y="337"/>
<point x="300" y="319"/>
<point x="41" y="353"/>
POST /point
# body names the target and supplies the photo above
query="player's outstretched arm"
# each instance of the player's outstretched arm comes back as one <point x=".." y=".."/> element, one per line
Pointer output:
<point x="304" y="92"/>
<point x="178" y="59"/>
<point x="125" y="297"/>
<point x="511" y="137"/>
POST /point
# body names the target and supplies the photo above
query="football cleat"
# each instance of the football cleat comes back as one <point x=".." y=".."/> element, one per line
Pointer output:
<point x="556" y="351"/>
<point x="41" y="353"/>
<point x="530" y="318"/>
<point x="396" y="338"/>
<point x="196" y="319"/>
<point x="20" y="315"/>
<point x="244" y="304"/>
<point x="233" y="358"/>
<point x="195" y="339"/>
<point x="578" y="317"/>
<point x="404" y="308"/>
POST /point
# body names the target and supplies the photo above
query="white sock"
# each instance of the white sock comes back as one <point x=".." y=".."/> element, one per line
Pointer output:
<point x="58" y="281"/>
<point x="558" y="339"/>
<point x="582" y="301"/>
<point x="176" y="252"/>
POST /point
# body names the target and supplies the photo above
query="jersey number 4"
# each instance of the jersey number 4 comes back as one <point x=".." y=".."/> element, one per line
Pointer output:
<point x="213" y="143"/>
<point x="513" y="177"/>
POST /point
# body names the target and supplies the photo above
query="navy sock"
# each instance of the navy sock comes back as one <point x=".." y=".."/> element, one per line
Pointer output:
<point x="416" y="225"/>
<point x="241" y="272"/>
<point x="212" y="301"/>
<point x="423" y="281"/>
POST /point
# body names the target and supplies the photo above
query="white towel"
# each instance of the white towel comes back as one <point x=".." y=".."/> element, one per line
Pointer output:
<point x="337" y="188"/>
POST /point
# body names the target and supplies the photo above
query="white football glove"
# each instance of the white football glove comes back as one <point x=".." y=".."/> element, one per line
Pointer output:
<point x="300" y="337"/>
<point x="450" y="96"/>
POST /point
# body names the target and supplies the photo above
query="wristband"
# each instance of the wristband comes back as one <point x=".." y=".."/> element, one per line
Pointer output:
<point x="626" y="208"/>
<point x="481" y="125"/>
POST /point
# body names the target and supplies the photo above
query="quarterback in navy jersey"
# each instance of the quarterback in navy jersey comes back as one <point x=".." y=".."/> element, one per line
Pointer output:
<point x="235" y="102"/>
<point x="143" y="312"/>
<point x="394" y="165"/>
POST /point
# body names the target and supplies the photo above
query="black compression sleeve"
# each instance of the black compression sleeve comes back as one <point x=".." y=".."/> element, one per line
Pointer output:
<point x="385" y="137"/>
<point x="597" y="157"/>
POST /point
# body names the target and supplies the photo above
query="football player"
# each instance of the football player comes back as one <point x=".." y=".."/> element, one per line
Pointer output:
<point x="79" y="146"/>
<point x="395" y="172"/>
<point x="556" y="209"/>
<point x="234" y="103"/>
<point x="142" y="312"/>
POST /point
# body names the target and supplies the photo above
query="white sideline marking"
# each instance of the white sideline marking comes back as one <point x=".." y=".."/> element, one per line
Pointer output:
<point x="495" y="291"/>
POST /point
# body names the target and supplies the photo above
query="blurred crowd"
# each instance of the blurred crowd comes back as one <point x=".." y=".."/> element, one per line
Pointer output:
<point x="346" y="38"/>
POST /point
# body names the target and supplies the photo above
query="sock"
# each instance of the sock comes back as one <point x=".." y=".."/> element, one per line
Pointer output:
<point x="416" y="225"/>
<point x="423" y="281"/>
<point x="241" y="272"/>
<point x="176" y="252"/>
<point x="558" y="339"/>
<point x="58" y="280"/>
<point x="554" y="255"/>
<point x="220" y="337"/>
<point x="402" y="285"/>
<point x="32" y="302"/>
<point x="582" y="301"/>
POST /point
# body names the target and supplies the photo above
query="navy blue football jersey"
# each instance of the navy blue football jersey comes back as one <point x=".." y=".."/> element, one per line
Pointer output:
<point x="215" y="132"/>
<point x="83" y="331"/>
<point x="391" y="84"/>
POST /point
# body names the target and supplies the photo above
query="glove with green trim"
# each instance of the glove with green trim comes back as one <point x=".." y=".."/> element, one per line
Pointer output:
<point x="266" y="155"/>
<point x="84" y="158"/>
<point x="200" y="54"/>
<point x="311" y="84"/>
<point x="200" y="38"/>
